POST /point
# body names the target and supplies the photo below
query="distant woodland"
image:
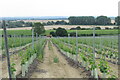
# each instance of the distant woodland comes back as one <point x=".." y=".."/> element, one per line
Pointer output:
<point x="72" y="20"/>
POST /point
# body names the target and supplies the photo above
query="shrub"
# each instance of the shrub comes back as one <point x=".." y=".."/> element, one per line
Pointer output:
<point x="53" y="33"/>
<point x="61" y="32"/>
<point x="97" y="28"/>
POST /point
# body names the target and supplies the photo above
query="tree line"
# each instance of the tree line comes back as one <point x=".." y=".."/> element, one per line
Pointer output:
<point x="15" y="24"/>
<point x="90" y="20"/>
<point x="96" y="28"/>
<point x="86" y="20"/>
<point x="72" y="20"/>
<point x="62" y="22"/>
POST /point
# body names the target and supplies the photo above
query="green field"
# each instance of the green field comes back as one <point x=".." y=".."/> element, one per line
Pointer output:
<point x="110" y="32"/>
<point x="18" y="32"/>
<point x="80" y="32"/>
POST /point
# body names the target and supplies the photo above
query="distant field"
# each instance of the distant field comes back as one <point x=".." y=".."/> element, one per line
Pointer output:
<point x="27" y="30"/>
<point x="99" y="32"/>
<point x="112" y="21"/>
<point x="74" y="26"/>
<point x="62" y="26"/>
<point x="43" y="20"/>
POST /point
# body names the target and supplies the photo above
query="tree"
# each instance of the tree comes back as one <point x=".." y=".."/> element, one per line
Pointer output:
<point x="115" y="27"/>
<point x="89" y="20"/>
<point x="73" y="29"/>
<point x="53" y="33"/>
<point x="61" y="22"/>
<point x="28" y="24"/>
<point x="117" y="20"/>
<point x="50" y="23"/>
<point x="61" y="32"/>
<point x="14" y="24"/>
<point x="107" y="28"/>
<point x="54" y="28"/>
<point x="81" y="20"/>
<point x="38" y="28"/>
<point x="103" y="20"/>
<point x="97" y="28"/>
<point x="78" y="28"/>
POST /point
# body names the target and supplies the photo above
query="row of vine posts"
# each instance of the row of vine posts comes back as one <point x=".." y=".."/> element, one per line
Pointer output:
<point x="7" y="48"/>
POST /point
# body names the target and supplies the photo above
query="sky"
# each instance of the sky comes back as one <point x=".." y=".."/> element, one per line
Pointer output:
<point x="20" y="8"/>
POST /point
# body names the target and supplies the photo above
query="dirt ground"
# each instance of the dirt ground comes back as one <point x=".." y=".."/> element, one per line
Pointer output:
<point x="13" y="58"/>
<point x="50" y="69"/>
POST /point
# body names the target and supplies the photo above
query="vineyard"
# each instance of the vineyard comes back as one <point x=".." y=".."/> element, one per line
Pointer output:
<point x="106" y="54"/>
<point x="34" y="56"/>
<point x="22" y="53"/>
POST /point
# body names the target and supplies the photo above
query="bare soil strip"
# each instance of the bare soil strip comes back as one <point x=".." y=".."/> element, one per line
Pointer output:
<point x="62" y="69"/>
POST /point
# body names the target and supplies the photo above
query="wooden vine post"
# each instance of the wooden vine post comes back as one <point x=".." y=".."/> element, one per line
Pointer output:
<point x="68" y="39"/>
<point x="32" y="38"/>
<point x="7" y="50"/>
<point x="76" y="45"/>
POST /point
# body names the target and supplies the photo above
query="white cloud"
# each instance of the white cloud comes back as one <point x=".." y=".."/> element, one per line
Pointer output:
<point x="58" y="7"/>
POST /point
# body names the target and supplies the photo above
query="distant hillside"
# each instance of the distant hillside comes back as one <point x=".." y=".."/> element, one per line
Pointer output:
<point x="40" y="18"/>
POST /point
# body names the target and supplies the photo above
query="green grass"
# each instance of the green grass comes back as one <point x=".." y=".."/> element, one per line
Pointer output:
<point x="56" y="59"/>
<point x="101" y="32"/>
<point x="17" y="41"/>
<point x="47" y="32"/>
<point x="97" y="31"/>
<point x="19" y="32"/>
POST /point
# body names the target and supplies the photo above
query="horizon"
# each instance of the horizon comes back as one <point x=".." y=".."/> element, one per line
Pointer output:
<point x="45" y="17"/>
<point x="52" y="16"/>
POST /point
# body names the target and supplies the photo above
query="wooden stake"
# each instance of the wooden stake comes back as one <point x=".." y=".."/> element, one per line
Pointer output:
<point x="7" y="50"/>
<point x="76" y="45"/>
